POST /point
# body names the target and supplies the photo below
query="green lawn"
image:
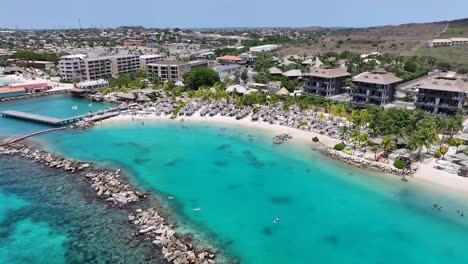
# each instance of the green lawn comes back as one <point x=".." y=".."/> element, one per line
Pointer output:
<point x="456" y="56"/>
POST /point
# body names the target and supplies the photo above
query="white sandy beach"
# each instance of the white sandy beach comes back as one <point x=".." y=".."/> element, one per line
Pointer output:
<point x="426" y="172"/>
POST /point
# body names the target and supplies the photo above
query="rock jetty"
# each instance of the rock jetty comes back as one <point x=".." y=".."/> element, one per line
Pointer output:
<point x="106" y="183"/>
<point x="366" y="164"/>
<point x="151" y="226"/>
<point x="280" y="139"/>
<point x="82" y="125"/>
<point x="173" y="248"/>
<point x="26" y="96"/>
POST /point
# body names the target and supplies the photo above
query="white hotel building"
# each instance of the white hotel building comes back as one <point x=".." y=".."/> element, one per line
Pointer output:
<point x="79" y="67"/>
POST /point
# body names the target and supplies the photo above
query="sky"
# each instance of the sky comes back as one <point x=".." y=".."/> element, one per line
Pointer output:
<point x="28" y="14"/>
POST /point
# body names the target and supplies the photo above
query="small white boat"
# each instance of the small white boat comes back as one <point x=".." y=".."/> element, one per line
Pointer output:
<point x="197" y="209"/>
<point x="170" y="197"/>
<point x="74" y="107"/>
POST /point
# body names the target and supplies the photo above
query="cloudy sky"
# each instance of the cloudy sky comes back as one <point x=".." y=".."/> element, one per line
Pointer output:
<point x="225" y="13"/>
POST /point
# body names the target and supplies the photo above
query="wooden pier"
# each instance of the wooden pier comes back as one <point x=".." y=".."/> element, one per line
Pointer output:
<point x="41" y="119"/>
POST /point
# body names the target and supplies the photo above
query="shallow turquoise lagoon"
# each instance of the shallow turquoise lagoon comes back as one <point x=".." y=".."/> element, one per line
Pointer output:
<point x="329" y="213"/>
<point x="59" y="106"/>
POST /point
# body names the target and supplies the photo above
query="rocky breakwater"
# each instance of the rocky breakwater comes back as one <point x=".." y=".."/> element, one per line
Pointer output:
<point x="82" y="125"/>
<point x="366" y="164"/>
<point x="106" y="183"/>
<point x="176" y="249"/>
<point x="280" y="139"/>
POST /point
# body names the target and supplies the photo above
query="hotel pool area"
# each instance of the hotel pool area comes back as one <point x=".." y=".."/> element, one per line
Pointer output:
<point x="4" y="81"/>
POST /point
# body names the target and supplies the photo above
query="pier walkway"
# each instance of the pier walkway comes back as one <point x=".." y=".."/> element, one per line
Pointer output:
<point x="40" y="118"/>
<point x="36" y="133"/>
<point x="99" y="115"/>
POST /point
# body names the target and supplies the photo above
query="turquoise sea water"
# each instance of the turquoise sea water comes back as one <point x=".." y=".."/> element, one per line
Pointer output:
<point x="329" y="212"/>
<point x="59" y="106"/>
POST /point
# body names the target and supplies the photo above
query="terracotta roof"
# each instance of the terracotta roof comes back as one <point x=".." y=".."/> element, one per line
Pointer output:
<point x="377" y="78"/>
<point x="11" y="90"/>
<point x="230" y="57"/>
<point x="328" y="73"/>
<point x="444" y="84"/>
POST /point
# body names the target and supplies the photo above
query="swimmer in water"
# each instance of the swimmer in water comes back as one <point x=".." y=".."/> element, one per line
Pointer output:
<point x="276" y="220"/>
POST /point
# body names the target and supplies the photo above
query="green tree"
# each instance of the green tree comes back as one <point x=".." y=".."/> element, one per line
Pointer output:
<point x="200" y="77"/>
<point x="443" y="150"/>
<point x="375" y="149"/>
<point x="244" y="75"/>
<point x="387" y="145"/>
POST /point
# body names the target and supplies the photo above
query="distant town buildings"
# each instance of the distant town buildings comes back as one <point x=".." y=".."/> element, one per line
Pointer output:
<point x="325" y="82"/>
<point x="226" y="70"/>
<point x="173" y="70"/>
<point x="377" y="88"/>
<point x="447" y="42"/>
<point x="263" y="48"/>
<point x="229" y="59"/>
<point x="34" y="64"/>
<point x="441" y="95"/>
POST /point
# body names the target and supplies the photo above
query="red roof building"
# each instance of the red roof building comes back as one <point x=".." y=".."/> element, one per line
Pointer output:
<point x="229" y="59"/>
<point x="31" y="88"/>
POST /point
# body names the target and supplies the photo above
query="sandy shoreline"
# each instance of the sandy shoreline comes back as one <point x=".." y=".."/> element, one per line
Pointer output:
<point x="298" y="135"/>
<point x="426" y="172"/>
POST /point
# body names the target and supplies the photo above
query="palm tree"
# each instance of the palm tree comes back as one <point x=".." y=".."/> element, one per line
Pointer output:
<point x="374" y="150"/>
<point x="344" y="131"/>
<point x="355" y="136"/>
<point x="443" y="150"/>
<point x="321" y="116"/>
<point x="340" y="110"/>
<point x="387" y="145"/>
<point x="413" y="143"/>
<point x="364" y="138"/>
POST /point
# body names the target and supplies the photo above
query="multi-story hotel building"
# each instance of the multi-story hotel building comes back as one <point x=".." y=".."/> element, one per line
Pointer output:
<point x="377" y="88"/>
<point x="325" y="82"/>
<point x="75" y="68"/>
<point x="173" y="70"/>
<point x="441" y="95"/>
<point x="147" y="59"/>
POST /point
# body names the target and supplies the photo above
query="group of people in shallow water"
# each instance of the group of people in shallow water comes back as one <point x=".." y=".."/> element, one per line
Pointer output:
<point x="439" y="207"/>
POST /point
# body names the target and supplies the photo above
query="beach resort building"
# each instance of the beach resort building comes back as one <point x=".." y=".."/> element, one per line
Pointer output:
<point x="23" y="89"/>
<point x="92" y="85"/>
<point x="11" y="92"/>
<point x="441" y="95"/>
<point x="377" y="88"/>
<point x="80" y="67"/>
<point x="325" y="82"/>
<point x="147" y="59"/>
<point x="174" y="70"/>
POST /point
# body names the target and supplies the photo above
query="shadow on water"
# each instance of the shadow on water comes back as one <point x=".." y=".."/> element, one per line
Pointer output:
<point x="281" y="200"/>
<point x="252" y="159"/>
<point x="222" y="147"/>
<point x="332" y="240"/>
